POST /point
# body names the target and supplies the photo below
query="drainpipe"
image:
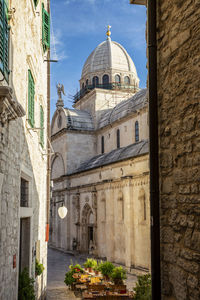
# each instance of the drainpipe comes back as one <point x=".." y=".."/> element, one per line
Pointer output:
<point x="154" y="150"/>
<point x="153" y="146"/>
<point x="48" y="137"/>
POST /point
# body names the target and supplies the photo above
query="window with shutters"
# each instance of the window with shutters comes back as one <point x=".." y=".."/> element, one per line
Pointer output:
<point x="41" y="126"/>
<point x="45" y="29"/>
<point x="31" y="95"/>
<point x="4" y="39"/>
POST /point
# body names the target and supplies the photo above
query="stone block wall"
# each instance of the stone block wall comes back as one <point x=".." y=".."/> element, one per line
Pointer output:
<point x="179" y="138"/>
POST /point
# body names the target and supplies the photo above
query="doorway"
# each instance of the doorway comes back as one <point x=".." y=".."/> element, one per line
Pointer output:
<point x="24" y="244"/>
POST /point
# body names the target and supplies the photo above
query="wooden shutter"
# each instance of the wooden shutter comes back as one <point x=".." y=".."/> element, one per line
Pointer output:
<point x="31" y="95"/>
<point x="4" y="37"/>
<point x="45" y="28"/>
<point x="41" y="126"/>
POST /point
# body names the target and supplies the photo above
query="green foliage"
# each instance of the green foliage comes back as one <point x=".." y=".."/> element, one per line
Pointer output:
<point x="76" y="268"/>
<point x="69" y="278"/>
<point x="69" y="275"/>
<point x="26" y="286"/>
<point x="106" y="268"/>
<point x="90" y="263"/>
<point x="39" y="268"/>
<point x="143" y="288"/>
<point x="118" y="274"/>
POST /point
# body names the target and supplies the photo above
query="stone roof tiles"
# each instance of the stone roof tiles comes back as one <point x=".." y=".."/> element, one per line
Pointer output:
<point x="114" y="156"/>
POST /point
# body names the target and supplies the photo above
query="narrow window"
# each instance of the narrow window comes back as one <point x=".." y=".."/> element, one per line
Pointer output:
<point x="24" y="193"/>
<point x="31" y="95"/>
<point x="126" y="80"/>
<point x="95" y="81"/>
<point x="41" y="126"/>
<point x="83" y="85"/>
<point x="4" y="38"/>
<point x="118" y="138"/>
<point x="136" y="131"/>
<point x="36" y="2"/>
<point x="105" y="80"/>
<point x="87" y="81"/>
<point x="117" y="79"/>
<point x="102" y="144"/>
<point x="45" y="29"/>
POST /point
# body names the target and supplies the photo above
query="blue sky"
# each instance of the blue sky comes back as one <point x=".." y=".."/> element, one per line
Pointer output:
<point x="80" y="25"/>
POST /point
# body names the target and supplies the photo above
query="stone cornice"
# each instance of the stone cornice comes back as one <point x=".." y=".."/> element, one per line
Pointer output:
<point x="10" y="108"/>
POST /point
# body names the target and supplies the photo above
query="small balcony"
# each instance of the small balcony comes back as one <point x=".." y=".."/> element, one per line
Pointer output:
<point x="107" y="86"/>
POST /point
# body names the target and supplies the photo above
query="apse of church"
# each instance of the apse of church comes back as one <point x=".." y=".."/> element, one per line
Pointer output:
<point x="100" y="168"/>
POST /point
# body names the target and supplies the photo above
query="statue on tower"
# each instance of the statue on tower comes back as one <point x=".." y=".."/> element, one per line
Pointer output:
<point x="60" y="91"/>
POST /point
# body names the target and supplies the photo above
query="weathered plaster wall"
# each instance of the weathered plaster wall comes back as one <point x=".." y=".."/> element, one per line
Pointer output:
<point x="179" y="139"/>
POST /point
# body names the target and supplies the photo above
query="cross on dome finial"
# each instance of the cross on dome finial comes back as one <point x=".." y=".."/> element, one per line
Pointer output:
<point x="108" y="33"/>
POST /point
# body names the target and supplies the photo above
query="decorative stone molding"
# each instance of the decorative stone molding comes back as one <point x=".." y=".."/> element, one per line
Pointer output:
<point x="10" y="109"/>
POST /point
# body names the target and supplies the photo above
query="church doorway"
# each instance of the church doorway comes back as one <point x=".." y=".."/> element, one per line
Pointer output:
<point x="87" y="243"/>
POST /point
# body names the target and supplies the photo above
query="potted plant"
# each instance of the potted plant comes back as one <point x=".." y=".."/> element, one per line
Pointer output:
<point x="76" y="268"/>
<point x="69" y="279"/>
<point x="90" y="264"/>
<point x="39" y="268"/>
<point x="118" y="275"/>
<point x="106" y="269"/>
<point x="143" y="288"/>
<point x="26" y="286"/>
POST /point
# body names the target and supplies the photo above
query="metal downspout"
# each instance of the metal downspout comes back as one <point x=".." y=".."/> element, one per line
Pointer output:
<point x="48" y="137"/>
<point x="153" y="151"/>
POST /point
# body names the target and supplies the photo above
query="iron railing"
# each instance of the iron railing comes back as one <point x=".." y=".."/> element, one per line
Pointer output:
<point x="107" y="86"/>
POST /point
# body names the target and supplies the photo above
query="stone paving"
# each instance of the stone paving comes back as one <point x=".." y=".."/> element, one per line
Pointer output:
<point x="58" y="263"/>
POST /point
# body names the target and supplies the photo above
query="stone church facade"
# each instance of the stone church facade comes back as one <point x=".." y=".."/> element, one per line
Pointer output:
<point x="23" y="146"/>
<point x="100" y="168"/>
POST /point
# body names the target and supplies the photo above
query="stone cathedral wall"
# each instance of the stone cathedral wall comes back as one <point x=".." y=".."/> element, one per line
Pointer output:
<point x="179" y="138"/>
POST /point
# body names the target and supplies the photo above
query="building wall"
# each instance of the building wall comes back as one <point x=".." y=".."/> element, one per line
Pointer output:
<point x="21" y="154"/>
<point x="98" y="101"/>
<point x="127" y="132"/>
<point x="179" y="136"/>
<point x="113" y="200"/>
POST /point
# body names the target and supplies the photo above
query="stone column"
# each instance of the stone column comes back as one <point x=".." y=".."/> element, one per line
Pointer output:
<point x="110" y="229"/>
<point x="128" y="221"/>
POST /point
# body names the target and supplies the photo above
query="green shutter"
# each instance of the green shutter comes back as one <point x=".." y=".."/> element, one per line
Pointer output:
<point x="4" y="38"/>
<point x="31" y="96"/>
<point x="41" y="126"/>
<point x="45" y="28"/>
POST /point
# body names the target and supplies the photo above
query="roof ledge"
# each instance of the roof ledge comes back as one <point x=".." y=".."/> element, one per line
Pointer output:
<point x="10" y="108"/>
<point x="140" y="2"/>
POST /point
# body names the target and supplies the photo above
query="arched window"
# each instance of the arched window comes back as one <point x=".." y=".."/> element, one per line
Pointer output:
<point x="126" y="80"/>
<point x="136" y="131"/>
<point x="102" y="144"/>
<point x="118" y="138"/>
<point x="105" y="80"/>
<point x="87" y="81"/>
<point x="117" y="79"/>
<point x="95" y="81"/>
<point x="83" y="85"/>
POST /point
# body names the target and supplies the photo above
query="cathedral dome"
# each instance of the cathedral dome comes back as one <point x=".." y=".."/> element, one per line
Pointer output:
<point x="108" y="67"/>
<point x="108" y="55"/>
